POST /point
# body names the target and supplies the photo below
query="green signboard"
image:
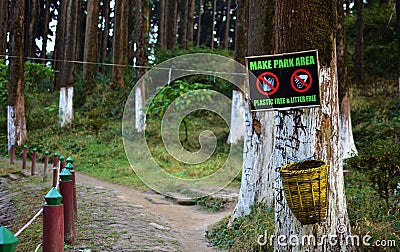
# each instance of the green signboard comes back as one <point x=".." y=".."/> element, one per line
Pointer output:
<point x="284" y="81"/>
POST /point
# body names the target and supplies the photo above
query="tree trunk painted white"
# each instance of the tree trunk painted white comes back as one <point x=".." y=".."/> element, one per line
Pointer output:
<point x="65" y="108"/>
<point x="140" y="117"/>
<point x="236" y="132"/>
<point x="347" y="144"/>
<point x="257" y="173"/>
<point x="11" y="126"/>
<point x="302" y="134"/>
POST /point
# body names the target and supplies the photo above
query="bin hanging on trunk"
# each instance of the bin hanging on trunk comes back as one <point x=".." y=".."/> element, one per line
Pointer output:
<point x="306" y="189"/>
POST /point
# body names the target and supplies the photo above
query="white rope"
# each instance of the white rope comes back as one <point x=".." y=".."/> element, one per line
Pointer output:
<point x="38" y="246"/>
<point x="29" y="222"/>
<point x="196" y="71"/>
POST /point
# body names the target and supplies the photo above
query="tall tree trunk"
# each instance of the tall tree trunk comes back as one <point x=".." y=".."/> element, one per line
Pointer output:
<point x="141" y="60"/>
<point x="190" y="22"/>
<point x="3" y="26"/>
<point x="31" y="14"/>
<point x="398" y="39"/>
<point x="314" y="132"/>
<point x="183" y="25"/>
<point x="120" y="41"/>
<point x="59" y="45"/>
<point x="171" y="7"/>
<point x="80" y="31"/>
<point x="359" y="54"/>
<point x="213" y="23"/>
<point x="104" y="34"/>
<point x="347" y="144"/>
<point x="161" y="25"/>
<point x="91" y="45"/>
<point x="227" y="24"/>
<point x="199" y="22"/>
<point x="257" y="180"/>
<point x="16" y="124"/>
<point x="65" y="109"/>
<point x="46" y="21"/>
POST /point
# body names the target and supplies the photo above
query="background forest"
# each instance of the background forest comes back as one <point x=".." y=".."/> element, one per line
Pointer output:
<point x="101" y="47"/>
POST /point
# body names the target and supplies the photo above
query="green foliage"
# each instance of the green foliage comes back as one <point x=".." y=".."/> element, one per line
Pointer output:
<point x="244" y="232"/>
<point x="38" y="77"/>
<point x="167" y="94"/>
<point x="380" y="163"/>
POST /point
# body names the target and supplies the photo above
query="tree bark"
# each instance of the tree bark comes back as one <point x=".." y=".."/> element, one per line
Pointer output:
<point x="58" y="51"/>
<point x="347" y="144"/>
<point x="257" y="174"/>
<point x="183" y="24"/>
<point x="171" y="7"/>
<point x="46" y="21"/>
<point x="314" y="132"/>
<point x="104" y="34"/>
<point x="3" y="26"/>
<point x="190" y="23"/>
<point x="199" y="22"/>
<point x="359" y="51"/>
<point x="65" y="109"/>
<point x="91" y="45"/>
<point x="31" y="14"/>
<point x="120" y="41"/>
<point x="16" y="125"/>
<point x="398" y="39"/>
<point x="213" y="23"/>
<point x="227" y="24"/>
<point x="161" y="25"/>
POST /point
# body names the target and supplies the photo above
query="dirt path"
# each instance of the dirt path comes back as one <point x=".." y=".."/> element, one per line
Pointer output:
<point x="145" y="221"/>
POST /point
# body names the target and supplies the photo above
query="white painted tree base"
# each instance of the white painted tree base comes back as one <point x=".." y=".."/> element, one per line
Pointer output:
<point x="237" y="130"/>
<point x="65" y="109"/>
<point x="140" y="117"/>
<point x="11" y="126"/>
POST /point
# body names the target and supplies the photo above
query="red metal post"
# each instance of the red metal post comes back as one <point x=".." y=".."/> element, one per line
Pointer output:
<point x="12" y="153"/>
<point x="33" y="166"/>
<point x="62" y="162"/>
<point x="53" y="228"/>
<point x="55" y="159"/>
<point x="55" y="176"/>
<point x="74" y="194"/>
<point x="46" y="162"/>
<point x="66" y="189"/>
<point x="24" y="150"/>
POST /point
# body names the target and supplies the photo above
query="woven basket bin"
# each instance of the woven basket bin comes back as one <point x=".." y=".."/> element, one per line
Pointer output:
<point x="306" y="189"/>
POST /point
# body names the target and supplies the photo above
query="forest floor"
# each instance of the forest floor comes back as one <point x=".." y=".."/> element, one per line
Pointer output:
<point x="111" y="217"/>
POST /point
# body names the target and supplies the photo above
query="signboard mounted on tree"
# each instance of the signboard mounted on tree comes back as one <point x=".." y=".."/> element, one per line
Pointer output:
<point x="284" y="81"/>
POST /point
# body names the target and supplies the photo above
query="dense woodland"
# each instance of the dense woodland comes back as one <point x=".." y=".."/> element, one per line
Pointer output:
<point x="67" y="67"/>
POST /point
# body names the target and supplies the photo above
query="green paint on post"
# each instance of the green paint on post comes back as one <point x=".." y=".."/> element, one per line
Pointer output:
<point x="25" y="147"/>
<point x="55" y="154"/>
<point x="46" y="153"/>
<point x="8" y="241"/>
<point x="53" y="197"/>
<point x="69" y="166"/>
<point x="65" y="175"/>
<point x="70" y="160"/>
<point x="62" y="158"/>
<point x="34" y="150"/>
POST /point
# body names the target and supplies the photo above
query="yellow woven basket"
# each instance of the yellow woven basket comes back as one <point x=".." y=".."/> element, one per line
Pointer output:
<point x="306" y="189"/>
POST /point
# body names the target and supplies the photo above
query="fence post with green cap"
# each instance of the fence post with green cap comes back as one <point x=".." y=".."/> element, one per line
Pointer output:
<point x="24" y="151"/>
<point x="66" y="190"/>
<point x="62" y="162"/>
<point x="45" y="164"/>
<point x="8" y="241"/>
<point x="33" y="166"/>
<point x="71" y="168"/>
<point x="55" y="169"/>
<point x="53" y="222"/>
<point x="12" y="153"/>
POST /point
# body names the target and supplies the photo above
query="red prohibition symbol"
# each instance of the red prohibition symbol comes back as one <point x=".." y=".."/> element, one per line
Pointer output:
<point x="267" y="83"/>
<point x="301" y="80"/>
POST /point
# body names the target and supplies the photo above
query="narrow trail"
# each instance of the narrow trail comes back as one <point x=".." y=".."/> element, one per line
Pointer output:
<point x="187" y="223"/>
